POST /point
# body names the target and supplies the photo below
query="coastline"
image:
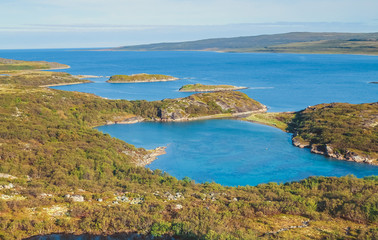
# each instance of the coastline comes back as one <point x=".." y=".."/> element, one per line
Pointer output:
<point x="86" y="76"/>
<point x="58" y="68"/>
<point x="233" y="51"/>
<point x="215" y="89"/>
<point x="324" y="150"/>
<point x="152" y="156"/>
<point x="137" y="119"/>
<point x="155" y="153"/>
<point x="63" y="84"/>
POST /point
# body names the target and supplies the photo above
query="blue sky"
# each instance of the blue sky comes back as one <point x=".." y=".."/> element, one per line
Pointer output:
<point x="95" y="23"/>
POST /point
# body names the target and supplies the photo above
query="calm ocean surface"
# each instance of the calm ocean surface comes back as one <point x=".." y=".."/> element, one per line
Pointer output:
<point x="227" y="151"/>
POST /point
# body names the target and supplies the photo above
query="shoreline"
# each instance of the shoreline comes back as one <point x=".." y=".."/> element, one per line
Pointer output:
<point x="86" y="76"/>
<point x="324" y="150"/>
<point x="215" y="89"/>
<point x="151" y="156"/>
<point x="58" y="68"/>
<point x="63" y="84"/>
<point x="230" y="51"/>
<point x="138" y="119"/>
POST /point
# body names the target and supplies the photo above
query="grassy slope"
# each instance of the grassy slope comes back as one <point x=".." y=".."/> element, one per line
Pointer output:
<point x="301" y="42"/>
<point x="278" y="120"/>
<point x="344" y="127"/>
<point x="39" y="78"/>
<point x="47" y="135"/>
<point x="332" y="46"/>
<point x="222" y="104"/>
<point x="9" y="64"/>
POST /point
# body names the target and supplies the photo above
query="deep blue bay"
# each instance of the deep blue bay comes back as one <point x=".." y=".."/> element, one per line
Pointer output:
<point x="229" y="152"/>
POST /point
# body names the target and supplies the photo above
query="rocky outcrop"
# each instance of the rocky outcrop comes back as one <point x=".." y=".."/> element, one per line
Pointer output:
<point x="5" y="175"/>
<point x="74" y="198"/>
<point x="144" y="158"/>
<point x="304" y="225"/>
<point x="127" y="120"/>
<point x="328" y="151"/>
<point x="298" y="142"/>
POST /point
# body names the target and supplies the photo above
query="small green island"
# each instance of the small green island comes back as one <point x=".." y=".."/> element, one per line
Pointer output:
<point x="141" y="77"/>
<point x="198" y="87"/>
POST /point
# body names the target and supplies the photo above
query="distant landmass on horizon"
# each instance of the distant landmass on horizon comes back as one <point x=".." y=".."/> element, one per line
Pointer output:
<point x="295" y="42"/>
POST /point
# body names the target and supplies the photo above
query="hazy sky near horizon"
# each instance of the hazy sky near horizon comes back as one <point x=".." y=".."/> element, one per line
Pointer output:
<point x="99" y="23"/>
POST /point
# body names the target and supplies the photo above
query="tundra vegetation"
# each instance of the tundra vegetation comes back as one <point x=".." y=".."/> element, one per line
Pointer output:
<point x="10" y="64"/>
<point x="294" y="42"/>
<point x="59" y="175"/>
<point x="347" y="129"/>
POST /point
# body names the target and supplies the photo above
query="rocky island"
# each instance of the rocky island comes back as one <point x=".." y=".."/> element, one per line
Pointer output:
<point x="198" y="87"/>
<point x="141" y="77"/>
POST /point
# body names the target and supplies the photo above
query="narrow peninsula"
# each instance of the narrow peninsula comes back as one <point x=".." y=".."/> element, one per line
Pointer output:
<point x="141" y="77"/>
<point x="338" y="130"/>
<point x="198" y="87"/>
<point x="10" y="64"/>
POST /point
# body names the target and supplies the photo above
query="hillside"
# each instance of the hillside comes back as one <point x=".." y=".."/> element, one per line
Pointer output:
<point x="338" y="130"/>
<point x="208" y="105"/>
<point x="59" y="175"/>
<point x="10" y="64"/>
<point x="297" y="42"/>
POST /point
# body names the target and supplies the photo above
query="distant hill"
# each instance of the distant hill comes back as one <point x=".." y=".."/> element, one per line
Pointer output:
<point x="300" y="42"/>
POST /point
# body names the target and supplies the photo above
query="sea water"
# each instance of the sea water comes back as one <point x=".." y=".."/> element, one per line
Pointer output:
<point x="231" y="152"/>
<point x="283" y="82"/>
